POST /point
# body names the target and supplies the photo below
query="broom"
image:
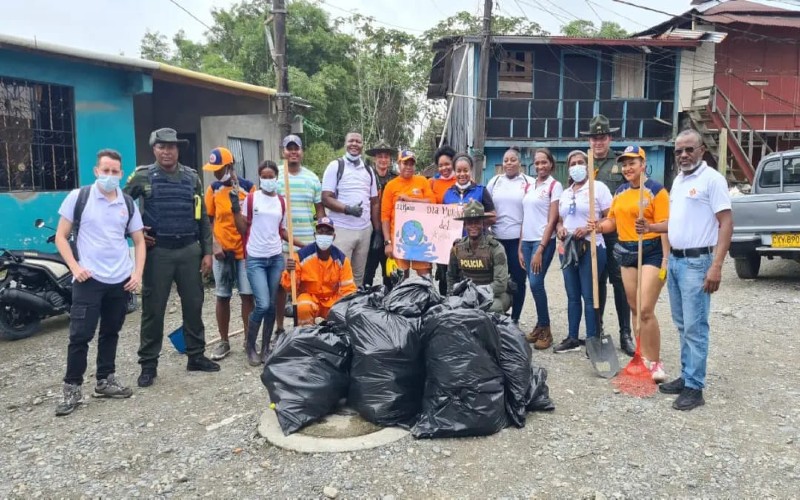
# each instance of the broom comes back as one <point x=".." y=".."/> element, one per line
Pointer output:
<point x="636" y="379"/>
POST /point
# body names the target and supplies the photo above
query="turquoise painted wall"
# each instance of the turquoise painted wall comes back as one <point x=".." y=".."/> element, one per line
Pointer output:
<point x="103" y="119"/>
<point x="655" y="160"/>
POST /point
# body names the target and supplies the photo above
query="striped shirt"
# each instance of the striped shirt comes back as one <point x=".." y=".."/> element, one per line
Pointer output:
<point x="305" y="190"/>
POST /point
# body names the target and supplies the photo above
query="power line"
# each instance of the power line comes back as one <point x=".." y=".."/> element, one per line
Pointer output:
<point x="356" y="12"/>
<point x="595" y="13"/>
<point x="191" y="15"/>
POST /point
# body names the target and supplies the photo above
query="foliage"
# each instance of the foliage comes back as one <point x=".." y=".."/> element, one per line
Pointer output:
<point x="586" y="29"/>
<point x="317" y="156"/>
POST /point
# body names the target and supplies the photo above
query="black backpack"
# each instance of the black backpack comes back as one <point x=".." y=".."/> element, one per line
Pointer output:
<point x="340" y="173"/>
<point x="80" y="205"/>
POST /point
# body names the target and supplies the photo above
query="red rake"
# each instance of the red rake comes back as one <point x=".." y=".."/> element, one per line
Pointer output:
<point x="636" y="379"/>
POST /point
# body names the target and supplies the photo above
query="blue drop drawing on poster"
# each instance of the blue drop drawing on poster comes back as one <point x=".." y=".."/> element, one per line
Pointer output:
<point x="413" y="243"/>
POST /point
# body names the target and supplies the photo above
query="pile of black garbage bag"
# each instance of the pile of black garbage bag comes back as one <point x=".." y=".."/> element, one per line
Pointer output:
<point x="442" y="367"/>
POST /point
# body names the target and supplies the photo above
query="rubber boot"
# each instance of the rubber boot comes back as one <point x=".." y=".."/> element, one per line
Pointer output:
<point x="626" y="343"/>
<point x="253" y="359"/>
<point x="266" y="337"/>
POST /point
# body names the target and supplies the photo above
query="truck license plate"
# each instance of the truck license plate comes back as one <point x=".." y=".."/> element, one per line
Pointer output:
<point x="786" y="240"/>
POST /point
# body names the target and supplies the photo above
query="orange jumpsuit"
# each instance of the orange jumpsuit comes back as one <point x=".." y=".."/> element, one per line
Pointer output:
<point x="320" y="283"/>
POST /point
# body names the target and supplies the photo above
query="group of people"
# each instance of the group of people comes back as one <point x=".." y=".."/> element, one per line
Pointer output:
<point x="343" y="231"/>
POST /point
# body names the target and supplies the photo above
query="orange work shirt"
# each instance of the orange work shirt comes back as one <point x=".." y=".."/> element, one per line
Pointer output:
<point x="416" y="187"/>
<point x="327" y="280"/>
<point x="218" y="206"/>
<point x="625" y="209"/>
<point x="440" y="187"/>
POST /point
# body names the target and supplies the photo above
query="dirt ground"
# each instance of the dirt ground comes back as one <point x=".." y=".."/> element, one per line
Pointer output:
<point x="194" y="434"/>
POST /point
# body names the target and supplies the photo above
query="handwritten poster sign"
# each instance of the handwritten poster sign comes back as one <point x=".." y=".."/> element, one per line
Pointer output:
<point x="425" y="232"/>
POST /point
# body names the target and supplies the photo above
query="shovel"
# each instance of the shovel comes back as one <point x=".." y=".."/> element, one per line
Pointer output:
<point x="600" y="348"/>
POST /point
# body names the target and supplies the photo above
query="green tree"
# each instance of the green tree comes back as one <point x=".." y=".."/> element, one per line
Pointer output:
<point x="582" y="28"/>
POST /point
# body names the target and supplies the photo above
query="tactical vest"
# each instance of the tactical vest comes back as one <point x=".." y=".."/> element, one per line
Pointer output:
<point x="476" y="265"/>
<point x="454" y="195"/>
<point x="169" y="210"/>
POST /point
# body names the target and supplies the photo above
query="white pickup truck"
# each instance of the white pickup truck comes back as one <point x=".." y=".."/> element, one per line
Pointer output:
<point x="766" y="223"/>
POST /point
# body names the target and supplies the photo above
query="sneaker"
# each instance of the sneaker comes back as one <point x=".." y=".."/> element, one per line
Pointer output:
<point x="657" y="372"/>
<point x="545" y="339"/>
<point x="72" y="398"/>
<point x="674" y="387"/>
<point x="221" y="350"/>
<point x="567" y="345"/>
<point x="147" y="377"/>
<point x="533" y="335"/>
<point x="110" y="387"/>
<point x="689" y="399"/>
<point x="201" y="364"/>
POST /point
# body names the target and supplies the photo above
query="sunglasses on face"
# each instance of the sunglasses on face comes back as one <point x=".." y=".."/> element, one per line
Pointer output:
<point x="688" y="151"/>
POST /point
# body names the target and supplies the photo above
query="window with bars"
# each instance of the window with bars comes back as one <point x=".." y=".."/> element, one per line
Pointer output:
<point x="37" y="136"/>
<point x="246" y="154"/>
<point x="515" y="74"/>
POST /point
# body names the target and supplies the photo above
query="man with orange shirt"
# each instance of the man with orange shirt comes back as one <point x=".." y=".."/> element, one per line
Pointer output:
<point x="406" y="187"/>
<point x="323" y="275"/>
<point x="223" y="200"/>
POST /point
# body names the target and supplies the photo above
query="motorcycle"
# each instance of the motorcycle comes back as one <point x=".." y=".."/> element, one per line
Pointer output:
<point x="33" y="286"/>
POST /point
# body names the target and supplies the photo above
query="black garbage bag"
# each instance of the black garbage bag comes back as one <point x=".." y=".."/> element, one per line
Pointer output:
<point x="412" y="298"/>
<point x="307" y="374"/>
<point x="526" y="387"/>
<point x="468" y="295"/>
<point x="337" y="315"/>
<point x="464" y="390"/>
<point x="387" y="374"/>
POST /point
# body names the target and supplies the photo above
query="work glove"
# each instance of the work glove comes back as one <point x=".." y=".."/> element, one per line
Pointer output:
<point x="288" y="310"/>
<point x="236" y="207"/>
<point x="377" y="241"/>
<point x="354" y="210"/>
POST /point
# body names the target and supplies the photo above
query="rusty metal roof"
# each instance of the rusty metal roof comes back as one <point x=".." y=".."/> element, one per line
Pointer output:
<point x="742" y="6"/>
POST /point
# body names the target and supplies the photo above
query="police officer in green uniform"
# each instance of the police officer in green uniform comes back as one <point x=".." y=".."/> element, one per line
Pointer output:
<point x="607" y="171"/>
<point x="179" y="249"/>
<point x="480" y="258"/>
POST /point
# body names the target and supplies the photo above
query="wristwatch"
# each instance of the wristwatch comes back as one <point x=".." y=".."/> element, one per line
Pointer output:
<point x="386" y="243"/>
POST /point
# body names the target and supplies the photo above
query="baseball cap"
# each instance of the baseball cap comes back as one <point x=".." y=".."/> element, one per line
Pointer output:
<point x="218" y="158"/>
<point x="289" y="139"/>
<point x="632" y="152"/>
<point x="325" y="221"/>
<point x="406" y="154"/>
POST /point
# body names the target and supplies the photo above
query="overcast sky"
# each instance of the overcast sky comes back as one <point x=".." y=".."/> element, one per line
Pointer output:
<point x="114" y="26"/>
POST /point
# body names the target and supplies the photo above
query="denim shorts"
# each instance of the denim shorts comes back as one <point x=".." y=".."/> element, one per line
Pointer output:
<point x="242" y="284"/>
<point x="652" y="253"/>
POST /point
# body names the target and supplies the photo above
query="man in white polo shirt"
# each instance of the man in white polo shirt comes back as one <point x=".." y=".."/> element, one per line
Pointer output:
<point x="700" y="227"/>
<point x="350" y="195"/>
<point x="103" y="275"/>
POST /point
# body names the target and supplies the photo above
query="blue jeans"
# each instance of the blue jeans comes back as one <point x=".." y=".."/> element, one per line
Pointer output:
<point x="578" y="282"/>
<point x="536" y="280"/>
<point x="690" y="308"/>
<point x="264" y="275"/>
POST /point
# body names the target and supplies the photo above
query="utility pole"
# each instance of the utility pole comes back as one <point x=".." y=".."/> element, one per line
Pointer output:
<point x="281" y="67"/>
<point x="483" y="82"/>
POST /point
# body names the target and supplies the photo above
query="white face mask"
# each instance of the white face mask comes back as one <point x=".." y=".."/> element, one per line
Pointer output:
<point x="463" y="186"/>
<point x="226" y="177"/>
<point x="324" y="241"/>
<point x="268" y="185"/>
<point x="578" y="173"/>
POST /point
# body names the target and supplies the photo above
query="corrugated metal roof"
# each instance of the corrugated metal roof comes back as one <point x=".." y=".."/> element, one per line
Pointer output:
<point x="756" y="20"/>
<point x="701" y="35"/>
<point x="742" y="6"/>
<point x="156" y="69"/>
<point x="567" y="40"/>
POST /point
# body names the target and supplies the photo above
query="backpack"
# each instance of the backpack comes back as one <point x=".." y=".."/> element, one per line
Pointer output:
<point x="80" y="205"/>
<point x="249" y="215"/>
<point x="340" y="173"/>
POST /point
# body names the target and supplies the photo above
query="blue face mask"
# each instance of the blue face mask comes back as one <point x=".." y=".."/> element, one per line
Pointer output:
<point x="268" y="185"/>
<point x="107" y="183"/>
<point x="352" y="158"/>
<point x="578" y="173"/>
<point x="324" y="241"/>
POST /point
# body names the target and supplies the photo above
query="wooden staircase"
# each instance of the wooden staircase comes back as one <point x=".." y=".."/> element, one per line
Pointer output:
<point x="712" y="111"/>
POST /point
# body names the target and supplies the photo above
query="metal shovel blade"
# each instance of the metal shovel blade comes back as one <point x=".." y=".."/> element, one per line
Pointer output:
<point x="603" y="355"/>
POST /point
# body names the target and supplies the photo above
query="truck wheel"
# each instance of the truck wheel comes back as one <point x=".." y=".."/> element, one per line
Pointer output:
<point x="747" y="267"/>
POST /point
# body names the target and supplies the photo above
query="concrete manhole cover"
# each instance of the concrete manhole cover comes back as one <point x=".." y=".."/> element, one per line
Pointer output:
<point x="342" y="431"/>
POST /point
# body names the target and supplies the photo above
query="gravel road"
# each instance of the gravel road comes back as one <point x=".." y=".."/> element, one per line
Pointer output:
<point x="166" y="442"/>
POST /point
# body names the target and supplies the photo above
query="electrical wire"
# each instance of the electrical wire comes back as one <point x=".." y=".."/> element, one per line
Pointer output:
<point x="191" y="14"/>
